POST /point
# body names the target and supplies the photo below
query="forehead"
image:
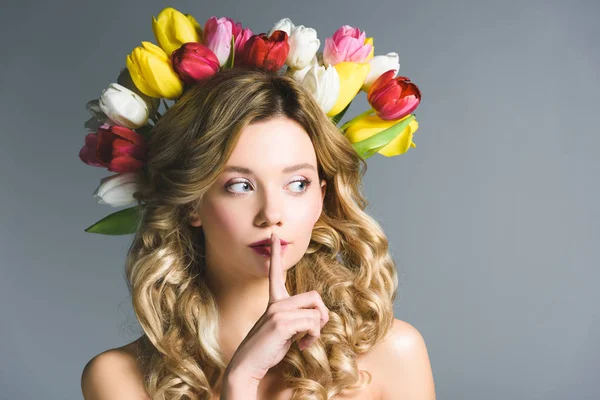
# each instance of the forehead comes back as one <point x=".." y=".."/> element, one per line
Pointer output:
<point x="274" y="143"/>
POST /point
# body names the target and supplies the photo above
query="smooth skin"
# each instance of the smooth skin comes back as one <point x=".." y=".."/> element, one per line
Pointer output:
<point x="238" y="210"/>
<point x="257" y="194"/>
<point x="399" y="364"/>
<point x="271" y="337"/>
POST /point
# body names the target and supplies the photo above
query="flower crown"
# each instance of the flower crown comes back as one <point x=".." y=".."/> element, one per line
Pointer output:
<point x="123" y="116"/>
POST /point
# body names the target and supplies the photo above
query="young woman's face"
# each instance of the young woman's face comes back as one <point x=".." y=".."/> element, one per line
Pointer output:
<point x="254" y="197"/>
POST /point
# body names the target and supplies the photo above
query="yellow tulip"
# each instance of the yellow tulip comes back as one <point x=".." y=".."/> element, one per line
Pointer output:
<point x="172" y="29"/>
<point x="352" y="76"/>
<point x="369" y="125"/>
<point x="152" y="72"/>
<point x="197" y="26"/>
<point x="369" y="40"/>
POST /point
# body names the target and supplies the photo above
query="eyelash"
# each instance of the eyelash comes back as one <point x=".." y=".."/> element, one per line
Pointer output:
<point x="303" y="180"/>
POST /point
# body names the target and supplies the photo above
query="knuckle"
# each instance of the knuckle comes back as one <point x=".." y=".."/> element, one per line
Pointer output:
<point x="270" y="314"/>
<point x="275" y="317"/>
<point x="273" y="308"/>
<point x="279" y="324"/>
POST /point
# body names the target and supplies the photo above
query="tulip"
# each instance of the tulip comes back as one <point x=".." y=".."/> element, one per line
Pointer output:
<point x="197" y="27"/>
<point x="393" y="98"/>
<point x="284" y="24"/>
<point x="303" y="43"/>
<point x="240" y="39"/>
<point x="117" y="190"/>
<point x="217" y="36"/>
<point x="117" y="148"/>
<point x="172" y="29"/>
<point x="299" y="74"/>
<point x="194" y="62"/>
<point x="124" y="106"/>
<point x="324" y="84"/>
<point x="303" y="47"/>
<point x="152" y="72"/>
<point x="347" y="44"/>
<point x="369" y="125"/>
<point x="152" y="103"/>
<point x="268" y="53"/>
<point x="380" y="65"/>
<point x="369" y="41"/>
<point x="352" y="76"/>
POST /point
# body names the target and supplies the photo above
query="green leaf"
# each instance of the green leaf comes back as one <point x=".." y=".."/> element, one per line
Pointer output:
<point x="119" y="223"/>
<point x="336" y="118"/>
<point x="229" y="62"/>
<point x="366" y="148"/>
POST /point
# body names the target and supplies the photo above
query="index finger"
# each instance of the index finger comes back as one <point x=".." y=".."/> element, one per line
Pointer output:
<point x="277" y="290"/>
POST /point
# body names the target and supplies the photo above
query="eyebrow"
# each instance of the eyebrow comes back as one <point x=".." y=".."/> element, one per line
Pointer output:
<point x="286" y="170"/>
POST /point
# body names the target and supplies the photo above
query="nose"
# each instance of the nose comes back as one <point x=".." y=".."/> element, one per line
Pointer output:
<point x="270" y="208"/>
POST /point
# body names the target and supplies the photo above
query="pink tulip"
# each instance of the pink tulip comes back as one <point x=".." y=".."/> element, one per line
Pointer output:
<point x="194" y="62"/>
<point x="241" y="37"/>
<point x="218" y="33"/>
<point x="346" y="44"/>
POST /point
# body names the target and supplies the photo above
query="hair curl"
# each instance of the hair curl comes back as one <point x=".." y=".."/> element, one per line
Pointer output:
<point x="347" y="261"/>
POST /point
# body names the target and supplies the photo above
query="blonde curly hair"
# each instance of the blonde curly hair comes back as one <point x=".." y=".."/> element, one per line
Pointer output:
<point x="347" y="261"/>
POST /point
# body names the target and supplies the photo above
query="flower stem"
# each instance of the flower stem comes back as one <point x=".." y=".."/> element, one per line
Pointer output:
<point x="348" y="123"/>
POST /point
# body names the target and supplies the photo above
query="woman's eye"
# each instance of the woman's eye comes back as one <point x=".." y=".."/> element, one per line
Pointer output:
<point x="246" y="185"/>
<point x="241" y="184"/>
<point x="304" y="182"/>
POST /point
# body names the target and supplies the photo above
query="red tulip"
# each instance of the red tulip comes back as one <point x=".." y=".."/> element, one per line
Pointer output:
<point x="268" y="53"/>
<point x="194" y="62"/>
<point x="117" y="148"/>
<point x="393" y="98"/>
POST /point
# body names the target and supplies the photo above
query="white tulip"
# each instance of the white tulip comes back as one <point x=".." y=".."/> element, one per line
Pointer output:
<point x="298" y="74"/>
<point x="303" y="43"/>
<point x="124" y="106"/>
<point x="284" y="24"/>
<point x="303" y="47"/>
<point x="380" y="65"/>
<point x="324" y="84"/>
<point x="117" y="190"/>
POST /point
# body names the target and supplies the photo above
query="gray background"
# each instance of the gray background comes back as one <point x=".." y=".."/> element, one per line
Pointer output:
<point x="492" y="219"/>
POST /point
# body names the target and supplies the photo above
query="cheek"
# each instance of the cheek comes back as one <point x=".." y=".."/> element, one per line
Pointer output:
<point x="223" y="221"/>
<point x="305" y="215"/>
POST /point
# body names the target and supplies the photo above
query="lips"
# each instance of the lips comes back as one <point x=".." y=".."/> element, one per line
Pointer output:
<point x="267" y="242"/>
<point x="265" y="251"/>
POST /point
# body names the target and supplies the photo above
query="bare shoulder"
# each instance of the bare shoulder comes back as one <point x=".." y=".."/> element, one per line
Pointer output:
<point x="114" y="374"/>
<point x="401" y="366"/>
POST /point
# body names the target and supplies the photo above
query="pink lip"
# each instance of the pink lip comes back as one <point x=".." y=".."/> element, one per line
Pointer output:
<point x="267" y="242"/>
<point x="265" y="251"/>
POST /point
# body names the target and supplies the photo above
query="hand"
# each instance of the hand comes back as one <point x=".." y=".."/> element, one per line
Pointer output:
<point x="271" y="337"/>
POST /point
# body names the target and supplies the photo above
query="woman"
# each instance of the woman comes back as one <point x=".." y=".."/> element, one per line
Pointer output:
<point x="248" y="156"/>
